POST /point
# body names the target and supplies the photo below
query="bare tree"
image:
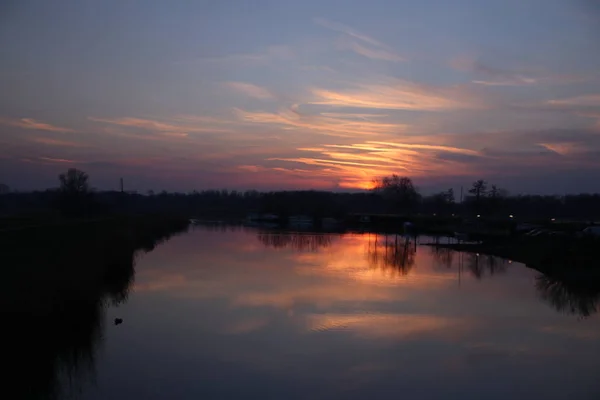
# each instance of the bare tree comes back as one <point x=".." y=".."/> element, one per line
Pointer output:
<point x="494" y="192"/>
<point x="478" y="190"/>
<point x="75" y="193"/>
<point x="74" y="181"/>
<point x="400" y="191"/>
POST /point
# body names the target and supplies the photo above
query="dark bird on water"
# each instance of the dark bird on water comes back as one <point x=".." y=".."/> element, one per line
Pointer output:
<point x="118" y="321"/>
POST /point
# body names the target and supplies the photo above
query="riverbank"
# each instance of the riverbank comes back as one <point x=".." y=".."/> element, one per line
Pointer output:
<point x="56" y="283"/>
<point x="577" y="256"/>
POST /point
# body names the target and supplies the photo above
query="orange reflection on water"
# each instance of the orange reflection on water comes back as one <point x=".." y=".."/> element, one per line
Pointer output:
<point x="396" y="326"/>
<point x="374" y="259"/>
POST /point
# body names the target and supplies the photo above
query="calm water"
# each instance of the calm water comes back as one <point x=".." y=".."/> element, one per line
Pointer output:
<point x="240" y="314"/>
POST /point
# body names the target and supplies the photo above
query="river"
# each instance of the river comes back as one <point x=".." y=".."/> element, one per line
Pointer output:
<point x="236" y="313"/>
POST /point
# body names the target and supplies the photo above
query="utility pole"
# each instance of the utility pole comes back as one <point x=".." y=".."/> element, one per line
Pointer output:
<point x="121" y="185"/>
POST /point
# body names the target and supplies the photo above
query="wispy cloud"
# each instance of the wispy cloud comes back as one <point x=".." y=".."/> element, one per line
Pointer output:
<point x="496" y="76"/>
<point x="57" y="160"/>
<point x="355" y="165"/>
<point x="374" y="53"/>
<point x="250" y="90"/>
<point x="370" y="47"/>
<point x="30" y="123"/>
<point x="338" y="125"/>
<point x="338" y="27"/>
<point x="589" y="100"/>
<point x="56" y="142"/>
<point x="564" y="148"/>
<point x="173" y="128"/>
<point x="399" y="95"/>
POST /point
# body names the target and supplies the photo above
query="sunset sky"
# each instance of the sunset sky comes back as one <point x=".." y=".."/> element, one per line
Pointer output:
<point x="277" y="94"/>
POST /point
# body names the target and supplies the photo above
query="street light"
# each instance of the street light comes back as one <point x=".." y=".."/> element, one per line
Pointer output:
<point x="478" y="216"/>
<point x="511" y="216"/>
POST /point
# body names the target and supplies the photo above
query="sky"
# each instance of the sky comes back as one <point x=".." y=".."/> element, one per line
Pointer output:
<point x="188" y="95"/>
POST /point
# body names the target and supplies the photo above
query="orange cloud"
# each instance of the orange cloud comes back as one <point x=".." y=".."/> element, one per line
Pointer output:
<point x="398" y="95"/>
<point x="355" y="165"/>
<point x="428" y="147"/>
<point x="55" y="142"/>
<point x="250" y="90"/>
<point x="30" y="123"/>
<point x="325" y="124"/>
<point x="565" y="148"/>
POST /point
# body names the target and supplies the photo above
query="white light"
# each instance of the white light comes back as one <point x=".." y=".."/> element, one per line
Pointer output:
<point x="434" y="214"/>
<point x="478" y="216"/>
<point x="553" y="219"/>
<point x="511" y="216"/>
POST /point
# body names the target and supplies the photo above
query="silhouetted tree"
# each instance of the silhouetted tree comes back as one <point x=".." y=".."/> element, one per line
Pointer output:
<point x="74" y="193"/>
<point x="399" y="191"/>
<point x="495" y="198"/>
<point x="440" y="202"/>
<point x="74" y="181"/>
<point x="478" y="190"/>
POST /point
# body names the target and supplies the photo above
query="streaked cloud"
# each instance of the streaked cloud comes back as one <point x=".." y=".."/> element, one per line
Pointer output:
<point x="374" y="53"/>
<point x="341" y="28"/>
<point x="564" y="148"/>
<point x="57" y="142"/>
<point x="30" y="123"/>
<point x="174" y="127"/>
<point x="589" y="100"/>
<point x="370" y="48"/>
<point x="57" y="160"/>
<point x="356" y="165"/>
<point x="396" y="94"/>
<point x="341" y="126"/>
<point x="488" y="75"/>
<point x="250" y="90"/>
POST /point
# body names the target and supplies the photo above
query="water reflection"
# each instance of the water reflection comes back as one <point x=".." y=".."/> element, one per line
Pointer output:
<point x="570" y="295"/>
<point x="443" y="256"/>
<point x="222" y="315"/>
<point x="393" y="253"/>
<point x="480" y="265"/>
<point x="297" y="241"/>
<point x="566" y="292"/>
<point x="55" y="300"/>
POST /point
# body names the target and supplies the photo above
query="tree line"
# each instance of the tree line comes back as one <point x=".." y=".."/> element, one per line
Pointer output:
<point x="74" y="197"/>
